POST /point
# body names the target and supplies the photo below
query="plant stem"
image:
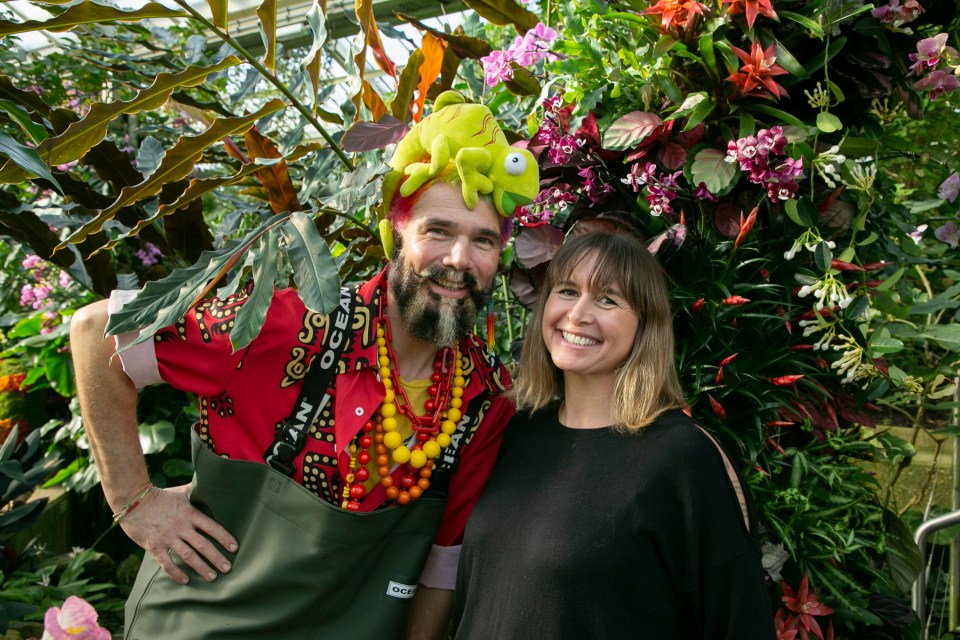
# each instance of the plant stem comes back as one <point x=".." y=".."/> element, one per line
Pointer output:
<point x="246" y="55"/>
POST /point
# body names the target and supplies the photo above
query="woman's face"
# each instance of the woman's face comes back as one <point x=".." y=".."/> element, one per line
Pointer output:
<point x="588" y="332"/>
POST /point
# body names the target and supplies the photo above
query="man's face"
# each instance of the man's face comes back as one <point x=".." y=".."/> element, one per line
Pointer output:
<point x="443" y="274"/>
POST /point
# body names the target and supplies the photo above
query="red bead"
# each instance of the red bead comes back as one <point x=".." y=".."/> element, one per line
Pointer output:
<point x="407" y="481"/>
<point x="353" y="505"/>
<point x="357" y="491"/>
<point x="361" y="474"/>
<point x="430" y="405"/>
<point x="422" y="436"/>
<point x="433" y="390"/>
<point x="366" y="441"/>
<point x="436" y="377"/>
<point x="363" y="457"/>
<point x="368" y="427"/>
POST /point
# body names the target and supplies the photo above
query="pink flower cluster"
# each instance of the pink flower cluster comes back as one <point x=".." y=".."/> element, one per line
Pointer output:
<point x="897" y="14"/>
<point x="548" y="202"/>
<point x="937" y="79"/>
<point x="661" y="189"/>
<point x="561" y="145"/>
<point x="757" y="156"/>
<point x="37" y="295"/>
<point x="149" y="255"/>
<point x="525" y="52"/>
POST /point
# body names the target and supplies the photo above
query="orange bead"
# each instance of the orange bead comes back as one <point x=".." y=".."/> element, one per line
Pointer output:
<point x="415" y="492"/>
<point x="423" y="483"/>
<point x="404" y="497"/>
<point x="386" y="481"/>
<point x="425" y="472"/>
<point x="378" y="438"/>
<point x="392" y="493"/>
<point x="383" y="460"/>
<point x="383" y="472"/>
<point x="381" y="448"/>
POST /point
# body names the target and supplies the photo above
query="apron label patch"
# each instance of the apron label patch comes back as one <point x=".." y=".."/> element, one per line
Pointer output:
<point x="398" y="590"/>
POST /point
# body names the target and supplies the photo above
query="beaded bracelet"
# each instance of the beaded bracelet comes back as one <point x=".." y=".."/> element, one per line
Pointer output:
<point x="130" y="506"/>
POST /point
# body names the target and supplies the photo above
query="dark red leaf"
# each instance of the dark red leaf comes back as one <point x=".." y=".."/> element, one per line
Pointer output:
<point x="366" y="136"/>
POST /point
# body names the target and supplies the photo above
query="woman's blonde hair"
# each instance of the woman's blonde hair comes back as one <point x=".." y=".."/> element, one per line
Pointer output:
<point x="646" y="383"/>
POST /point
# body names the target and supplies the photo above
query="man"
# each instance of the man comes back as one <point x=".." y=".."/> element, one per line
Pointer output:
<point x="401" y="437"/>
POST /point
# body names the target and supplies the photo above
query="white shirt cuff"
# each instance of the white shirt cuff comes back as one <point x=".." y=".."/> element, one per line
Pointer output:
<point x="139" y="361"/>
<point x="440" y="572"/>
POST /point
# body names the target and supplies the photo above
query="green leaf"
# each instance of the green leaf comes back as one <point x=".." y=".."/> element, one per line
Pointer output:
<point x="314" y="269"/>
<point x="25" y="160"/>
<point x="155" y="436"/>
<point x="57" y="369"/>
<point x="409" y="79"/>
<point x="13" y="469"/>
<point x="786" y="60"/>
<point x="748" y="125"/>
<point x="706" y="53"/>
<point x="82" y="135"/>
<point x="828" y="123"/>
<point x="88" y="13"/>
<point x="802" y="20"/>
<point x="218" y="9"/>
<point x="177" y="164"/>
<point x="946" y="335"/>
<point x="630" y="130"/>
<point x="779" y="114"/>
<point x="253" y="313"/>
<point x="882" y="343"/>
<point x="892" y="280"/>
<point x="825" y="55"/>
<point x="161" y="302"/>
<point x="710" y="167"/>
<point x="700" y="113"/>
<point x="689" y="105"/>
<point x="177" y="468"/>
<point x="317" y="21"/>
<point x="799" y="213"/>
<point x="823" y="256"/>
<point x="36" y="132"/>
<point x="505" y="12"/>
<point x="267" y="13"/>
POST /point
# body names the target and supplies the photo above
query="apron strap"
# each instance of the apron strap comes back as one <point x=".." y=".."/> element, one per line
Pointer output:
<point x="314" y="394"/>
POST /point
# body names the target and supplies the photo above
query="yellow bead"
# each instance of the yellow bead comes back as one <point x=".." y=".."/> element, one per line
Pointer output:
<point x="454" y="415"/>
<point x="389" y="397"/>
<point x="387" y="383"/>
<point x="380" y="332"/>
<point x="388" y="410"/>
<point x="431" y="449"/>
<point x="449" y="427"/>
<point x="443" y="440"/>
<point x="456" y="403"/>
<point x="458" y="381"/>
<point x="350" y="477"/>
<point x="389" y="424"/>
<point x="382" y="351"/>
<point x="392" y="440"/>
<point x="401" y="455"/>
<point x="417" y="458"/>
<point x="457" y="392"/>
<point x="384" y="372"/>
<point x="383" y="361"/>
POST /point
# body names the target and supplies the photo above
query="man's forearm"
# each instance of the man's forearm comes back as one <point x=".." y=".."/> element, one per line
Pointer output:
<point x="429" y="616"/>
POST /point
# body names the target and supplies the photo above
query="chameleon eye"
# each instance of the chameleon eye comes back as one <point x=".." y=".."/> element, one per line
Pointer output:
<point x="515" y="164"/>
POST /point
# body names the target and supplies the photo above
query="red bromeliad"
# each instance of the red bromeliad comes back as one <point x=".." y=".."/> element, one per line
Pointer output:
<point x="745" y="226"/>
<point x="735" y="300"/>
<point x="755" y="77"/>
<point x="784" y="381"/>
<point x="803" y="606"/>
<point x="751" y="8"/>
<point x="717" y="408"/>
<point x="676" y="14"/>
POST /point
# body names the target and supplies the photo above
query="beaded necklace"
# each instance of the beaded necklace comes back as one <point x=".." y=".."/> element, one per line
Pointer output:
<point x="432" y="430"/>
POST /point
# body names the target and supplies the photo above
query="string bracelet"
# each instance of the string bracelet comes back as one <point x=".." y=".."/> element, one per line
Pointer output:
<point x="130" y="506"/>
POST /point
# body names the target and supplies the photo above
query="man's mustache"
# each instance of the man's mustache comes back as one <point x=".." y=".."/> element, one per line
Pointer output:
<point x="439" y="273"/>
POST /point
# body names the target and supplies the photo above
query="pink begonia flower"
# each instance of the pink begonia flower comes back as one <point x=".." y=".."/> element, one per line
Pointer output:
<point x="75" y="620"/>
<point x="938" y="82"/>
<point x="949" y="233"/>
<point x="31" y="262"/>
<point x="949" y="188"/>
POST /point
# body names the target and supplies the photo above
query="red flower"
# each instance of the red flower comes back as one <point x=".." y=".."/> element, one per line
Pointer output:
<point x="751" y="8"/>
<point x="676" y="14"/>
<point x="717" y="408"/>
<point x="745" y="226"/>
<point x="755" y="77"/>
<point x="786" y="629"/>
<point x="780" y="423"/>
<point x="735" y="300"/>
<point x="729" y="359"/>
<point x="806" y="605"/>
<point x="719" y="379"/>
<point x="784" y="381"/>
<point x="697" y="306"/>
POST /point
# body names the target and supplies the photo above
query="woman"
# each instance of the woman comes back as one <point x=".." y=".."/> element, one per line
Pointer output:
<point x="610" y="514"/>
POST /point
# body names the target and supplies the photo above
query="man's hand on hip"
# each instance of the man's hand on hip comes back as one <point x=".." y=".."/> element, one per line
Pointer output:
<point x="166" y="525"/>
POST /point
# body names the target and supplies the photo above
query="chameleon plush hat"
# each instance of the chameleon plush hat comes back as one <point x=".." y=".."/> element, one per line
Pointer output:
<point x="460" y="143"/>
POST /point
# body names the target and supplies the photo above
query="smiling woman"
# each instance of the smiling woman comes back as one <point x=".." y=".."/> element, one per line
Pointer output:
<point x="610" y="514"/>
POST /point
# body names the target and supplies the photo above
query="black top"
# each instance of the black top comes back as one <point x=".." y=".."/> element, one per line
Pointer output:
<point x="591" y="533"/>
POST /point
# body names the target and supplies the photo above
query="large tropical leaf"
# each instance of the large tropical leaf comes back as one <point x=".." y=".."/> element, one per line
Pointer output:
<point x="368" y="22"/>
<point x="88" y="12"/>
<point x="317" y="21"/>
<point x="463" y="45"/>
<point x="710" y="167"/>
<point x="373" y="101"/>
<point x="432" y="48"/>
<point x="253" y="313"/>
<point x="25" y="159"/>
<point x="314" y="269"/>
<point x="82" y="135"/>
<point x="275" y="176"/>
<point x="177" y="164"/>
<point x="367" y="136"/>
<point x="218" y="9"/>
<point x="161" y="302"/>
<point x="400" y="107"/>
<point x="504" y="12"/>
<point x="267" y="12"/>
<point x="630" y="130"/>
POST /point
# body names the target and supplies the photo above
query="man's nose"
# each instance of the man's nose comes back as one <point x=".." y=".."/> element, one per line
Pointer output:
<point x="459" y="255"/>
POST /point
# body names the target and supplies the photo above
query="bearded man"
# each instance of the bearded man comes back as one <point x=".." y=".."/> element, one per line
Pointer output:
<point x="337" y="457"/>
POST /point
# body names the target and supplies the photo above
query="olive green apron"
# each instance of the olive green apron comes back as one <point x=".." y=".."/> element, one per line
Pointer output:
<point x="304" y="569"/>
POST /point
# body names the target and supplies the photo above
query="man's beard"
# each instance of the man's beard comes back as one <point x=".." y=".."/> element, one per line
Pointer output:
<point x="428" y="316"/>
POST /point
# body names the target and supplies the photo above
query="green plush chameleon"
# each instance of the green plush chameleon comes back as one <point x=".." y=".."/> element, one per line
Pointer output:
<point x="462" y="142"/>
